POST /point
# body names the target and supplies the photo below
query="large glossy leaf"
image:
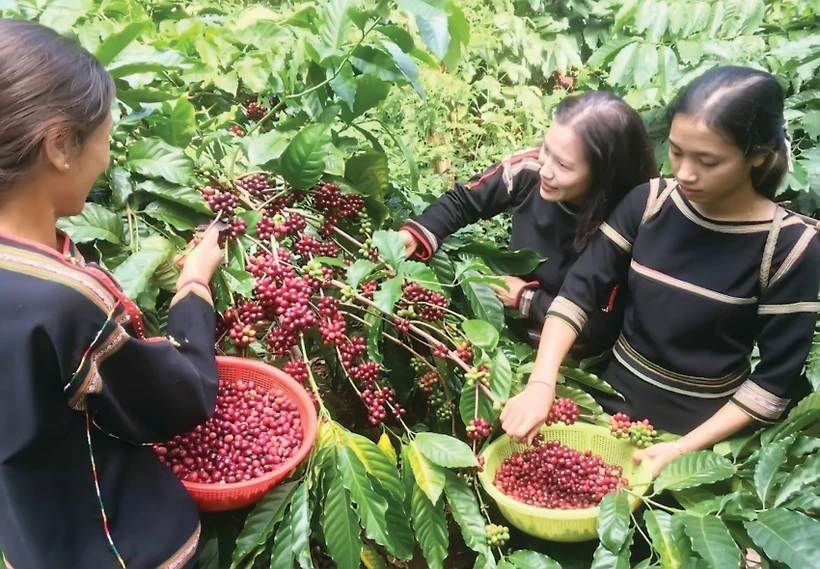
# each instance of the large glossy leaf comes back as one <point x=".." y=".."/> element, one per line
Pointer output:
<point x="261" y="521"/>
<point x="155" y="158"/>
<point x="175" y="215"/>
<point x="300" y="514"/>
<point x="388" y="294"/>
<point x="390" y="247"/>
<point x="669" y="545"/>
<point x="371" y="559"/>
<point x="61" y="15"/>
<point x="428" y="476"/>
<point x="359" y="271"/>
<point x="179" y="126"/>
<point x="804" y="413"/>
<point x="264" y="148"/>
<point x="420" y="273"/>
<point x="445" y="451"/>
<point x="407" y="66"/>
<point x="788" y="537"/>
<point x="502" y="262"/>
<point x="588" y="379"/>
<point x="524" y="559"/>
<point x="303" y="161"/>
<point x="371" y="506"/>
<point x="373" y="61"/>
<point x="501" y="377"/>
<point x="466" y="513"/>
<point x="603" y="558"/>
<point x="481" y="334"/>
<point x="94" y="223"/>
<point x="581" y="397"/>
<point x="694" y="469"/>
<point x="475" y="403"/>
<point x="188" y="197"/>
<point x="368" y="172"/>
<point x="771" y="461"/>
<point x="804" y="476"/>
<point x="401" y="542"/>
<point x="432" y="531"/>
<point x="118" y="41"/>
<point x="340" y="526"/>
<point x="344" y="85"/>
<point x="424" y="8"/>
<point x="613" y="521"/>
<point x="378" y="465"/>
<point x="136" y="271"/>
<point x="282" y="556"/>
<point x="483" y="301"/>
<point x="335" y="23"/>
<point x="712" y="541"/>
<point x="370" y="92"/>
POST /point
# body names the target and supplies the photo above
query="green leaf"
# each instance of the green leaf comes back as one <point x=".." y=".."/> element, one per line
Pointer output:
<point x="178" y="128"/>
<point x="581" y="397"/>
<point x="116" y="42"/>
<point x="188" y="197"/>
<point x="420" y="273"/>
<point x="135" y="273"/>
<point x="429" y="476"/>
<point x="303" y="161"/>
<point x="524" y="559"/>
<point x="378" y="465"/>
<point x="370" y="505"/>
<point x="521" y="262"/>
<point x="483" y="301"/>
<point x="61" y="15"/>
<point x="772" y="458"/>
<point x="691" y="51"/>
<point x="669" y="545"/>
<point x="445" y="451"/>
<point x="607" y="52"/>
<point x="811" y="124"/>
<point x="621" y="71"/>
<point x="388" y="294"/>
<point x="340" y="525"/>
<point x="300" y="514"/>
<point x="788" y="537"/>
<point x="261" y="521"/>
<point x="804" y="476"/>
<point x="432" y="531"/>
<point x="660" y="20"/>
<point x="588" y="379"/>
<point x="371" y="559"/>
<point x="373" y="61"/>
<point x="712" y="541"/>
<point x="390" y="246"/>
<point x="694" y="469"/>
<point x="398" y="36"/>
<point x="613" y="521"/>
<point x="481" y="334"/>
<point x="282" y="556"/>
<point x="467" y="405"/>
<point x="368" y="172"/>
<point x="370" y="92"/>
<point x="359" y="271"/>
<point x="335" y="23"/>
<point x="647" y="65"/>
<point x="402" y="541"/>
<point x="464" y="507"/>
<point x="501" y="377"/>
<point x="435" y="33"/>
<point x="155" y="158"/>
<point x="803" y="414"/>
<point x="603" y="558"/>
<point x="344" y="85"/>
<point x="238" y="281"/>
<point x="94" y="223"/>
<point x="267" y="147"/>
<point x="175" y="215"/>
<point x="424" y="8"/>
<point x="121" y="186"/>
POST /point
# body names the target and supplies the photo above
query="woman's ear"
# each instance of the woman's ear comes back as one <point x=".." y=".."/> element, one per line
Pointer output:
<point x="759" y="158"/>
<point x="56" y="150"/>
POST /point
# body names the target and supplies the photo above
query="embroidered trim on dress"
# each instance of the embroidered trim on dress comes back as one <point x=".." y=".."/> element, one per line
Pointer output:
<point x="569" y="312"/>
<point x="793" y="308"/>
<point x="616" y="237"/>
<point x="92" y="382"/>
<point x="689" y="287"/>
<point x="795" y="254"/>
<point x="196" y="288"/>
<point x="759" y="403"/>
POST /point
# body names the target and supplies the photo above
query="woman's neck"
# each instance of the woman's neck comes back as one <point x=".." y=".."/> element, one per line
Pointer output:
<point x="744" y="204"/>
<point x="29" y="218"/>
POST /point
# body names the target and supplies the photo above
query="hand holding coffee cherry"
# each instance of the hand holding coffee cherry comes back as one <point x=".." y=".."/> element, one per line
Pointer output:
<point x="524" y="414"/>
<point x="201" y="263"/>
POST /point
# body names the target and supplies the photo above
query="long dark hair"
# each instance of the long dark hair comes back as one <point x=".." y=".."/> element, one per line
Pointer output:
<point x="746" y="105"/>
<point x="618" y="150"/>
<point x="48" y="85"/>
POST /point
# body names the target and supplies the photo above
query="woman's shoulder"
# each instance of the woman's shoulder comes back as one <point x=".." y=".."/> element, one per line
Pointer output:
<point x="797" y="245"/>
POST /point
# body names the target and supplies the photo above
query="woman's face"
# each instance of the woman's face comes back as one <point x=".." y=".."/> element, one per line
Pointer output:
<point x="85" y="165"/>
<point x="707" y="166"/>
<point x="566" y="175"/>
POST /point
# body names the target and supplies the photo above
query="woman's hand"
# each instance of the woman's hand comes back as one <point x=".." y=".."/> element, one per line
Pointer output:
<point x="508" y="297"/>
<point x="410" y="243"/>
<point x="524" y="414"/>
<point x="660" y="455"/>
<point x="202" y="261"/>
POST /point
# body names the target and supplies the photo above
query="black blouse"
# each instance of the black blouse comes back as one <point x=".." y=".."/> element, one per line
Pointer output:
<point x="81" y="399"/>
<point x="696" y="307"/>
<point x="548" y="228"/>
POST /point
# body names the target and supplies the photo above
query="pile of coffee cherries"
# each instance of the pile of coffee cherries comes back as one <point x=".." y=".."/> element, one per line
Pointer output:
<point x="250" y="434"/>
<point x="551" y="475"/>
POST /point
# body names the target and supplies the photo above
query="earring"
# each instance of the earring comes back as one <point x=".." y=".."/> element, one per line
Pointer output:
<point x="66" y="166"/>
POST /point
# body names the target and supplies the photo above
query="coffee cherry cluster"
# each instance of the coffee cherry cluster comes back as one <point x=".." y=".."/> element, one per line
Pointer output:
<point x="477" y="374"/>
<point x="640" y="433"/>
<point x="236" y="229"/>
<point x="329" y="198"/>
<point x="237" y="130"/>
<point x="497" y="535"/>
<point x="422" y="302"/>
<point x="298" y="370"/>
<point x="563" y="411"/>
<point x="254" y="184"/>
<point x="250" y="434"/>
<point x="293" y="224"/>
<point x="220" y="202"/>
<point x="264" y="228"/>
<point x="255" y="110"/>
<point x="551" y="475"/>
<point x="464" y="350"/>
<point x="350" y="206"/>
<point x="478" y="429"/>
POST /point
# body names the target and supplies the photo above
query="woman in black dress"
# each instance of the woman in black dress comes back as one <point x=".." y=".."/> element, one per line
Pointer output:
<point x="83" y="394"/>
<point x="713" y="266"/>
<point x="596" y="150"/>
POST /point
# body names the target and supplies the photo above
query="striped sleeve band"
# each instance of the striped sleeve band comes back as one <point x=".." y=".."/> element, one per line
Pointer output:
<point x="428" y="242"/>
<point x="616" y="237"/>
<point x="566" y="310"/>
<point x="759" y="403"/>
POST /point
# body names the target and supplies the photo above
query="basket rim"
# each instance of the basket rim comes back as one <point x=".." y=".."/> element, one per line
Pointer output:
<point x="310" y="425"/>
<point x="643" y="474"/>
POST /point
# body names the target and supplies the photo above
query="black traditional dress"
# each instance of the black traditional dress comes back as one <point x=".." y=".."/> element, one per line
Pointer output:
<point x="548" y="228"/>
<point x="81" y="399"/>
<point x="701" y="293"/>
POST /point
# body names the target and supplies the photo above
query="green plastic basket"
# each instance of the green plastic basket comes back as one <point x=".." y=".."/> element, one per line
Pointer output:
<point x="564" y="525"/>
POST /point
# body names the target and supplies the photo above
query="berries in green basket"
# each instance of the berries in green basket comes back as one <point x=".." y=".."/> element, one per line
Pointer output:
<point x="642" y="434"/>
<point x="497" y="535"/>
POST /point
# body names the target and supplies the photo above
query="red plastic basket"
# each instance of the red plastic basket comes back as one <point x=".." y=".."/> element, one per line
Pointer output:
<point x="221" y="496"/>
